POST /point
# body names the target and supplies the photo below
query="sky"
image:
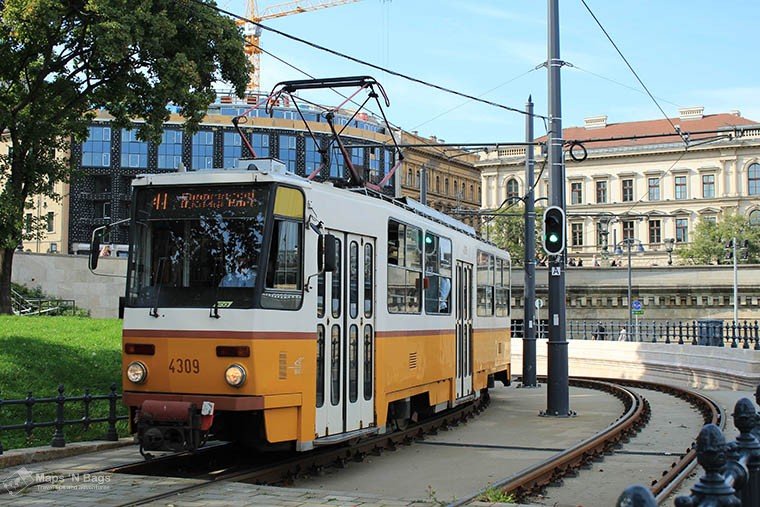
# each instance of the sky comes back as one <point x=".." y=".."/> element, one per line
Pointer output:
<point x="695" y="53"/>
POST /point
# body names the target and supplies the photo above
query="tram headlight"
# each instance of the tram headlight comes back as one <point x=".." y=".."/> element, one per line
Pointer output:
<point x="137" y="372"/>
<point x="235" y="375"/>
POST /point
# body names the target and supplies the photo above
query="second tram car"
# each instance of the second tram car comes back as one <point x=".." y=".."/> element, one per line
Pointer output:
<point x="279" y="312"/>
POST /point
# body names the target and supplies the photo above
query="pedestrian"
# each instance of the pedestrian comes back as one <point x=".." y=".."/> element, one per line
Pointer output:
<point x="613" y="263"/>
<point x="622" y="336"/>
<point x="594" y="261"/>
<point x="599" y="333"/>
<point x="579" y="262"/>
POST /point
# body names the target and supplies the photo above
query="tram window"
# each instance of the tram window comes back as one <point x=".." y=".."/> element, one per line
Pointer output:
<point x="368" y="362"/>
<point x="353" y="280"/>
<point x="485" y="285"/>
<point x="320" y="365"/>
<point x="335" y="366"/>
<point x="369" y="271"/>
<point x="337" y="277"/>
<point x="438" y="274"/>
<point x="502" y="288"/>
<point x="353" y="363"/>
<point x="404" y="268"/>
<point x="283" y="282"/>
<point x="321" y="295"/>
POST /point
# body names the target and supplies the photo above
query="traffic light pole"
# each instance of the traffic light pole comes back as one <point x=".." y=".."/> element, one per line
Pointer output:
<point x="529" y="330"/>
<point x="558" y="393"/>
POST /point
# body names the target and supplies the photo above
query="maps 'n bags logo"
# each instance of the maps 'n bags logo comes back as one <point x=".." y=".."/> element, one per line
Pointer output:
<point x="18" y="481"/>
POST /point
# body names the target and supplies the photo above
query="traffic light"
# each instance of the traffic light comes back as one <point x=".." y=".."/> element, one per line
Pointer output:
<point x="554" y="230"/>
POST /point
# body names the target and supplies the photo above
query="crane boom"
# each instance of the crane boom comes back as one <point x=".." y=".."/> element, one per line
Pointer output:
<point x="253" y="32"/>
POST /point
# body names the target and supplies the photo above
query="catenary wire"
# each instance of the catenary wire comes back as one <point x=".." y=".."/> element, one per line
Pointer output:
<point x="365" y="63"/>
<point x="619" y="83"/>
<point x="609" y="38"/>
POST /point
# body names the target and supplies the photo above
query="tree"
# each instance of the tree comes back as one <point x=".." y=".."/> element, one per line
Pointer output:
<point x="62" y="60"/>
<point x="710" y="239"/>
<point x="507" y="231"/>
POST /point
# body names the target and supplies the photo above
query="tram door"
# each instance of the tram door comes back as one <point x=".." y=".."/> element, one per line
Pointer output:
<point x="464" y="328"/>
<point x="346" y="338"/>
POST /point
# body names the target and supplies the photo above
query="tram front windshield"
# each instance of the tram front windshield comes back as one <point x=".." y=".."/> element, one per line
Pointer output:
<point x="196" y="247"/>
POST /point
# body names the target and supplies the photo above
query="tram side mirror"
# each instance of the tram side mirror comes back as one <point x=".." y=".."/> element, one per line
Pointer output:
<point x="328" y="250"/>
<point x="94" y="249"/>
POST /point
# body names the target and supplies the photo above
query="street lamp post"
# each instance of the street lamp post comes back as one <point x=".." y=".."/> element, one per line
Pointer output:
<point x="629" y="242"/>
<point x="669" y="246"/>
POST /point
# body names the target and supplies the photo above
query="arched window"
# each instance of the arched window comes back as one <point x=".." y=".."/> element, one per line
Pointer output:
<point x="438" y="184"/>
<point x="754" y="218"/>
<point x="418" y="178"/>
<point x="513" y="188"/>
<point x="472" y="192"/>
<point x="753" y="179"/>
<point x="409" y="177"/>
<point x="446" y="186"/>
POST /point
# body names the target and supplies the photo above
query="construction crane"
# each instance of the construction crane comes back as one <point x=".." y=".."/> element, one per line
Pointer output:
<point x="253" y="32"/>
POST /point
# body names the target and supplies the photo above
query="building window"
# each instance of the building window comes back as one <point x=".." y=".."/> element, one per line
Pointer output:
<point x="203" y="150"/>
<point x="753" y="175"/>
<point x="409" y="178"/>
<point x="577" y="234"/>
<point x="446" y="186"/>
<point x="513" y="188"/>
<point x="374" y="165"/>
<point x="754" y="218"/>
<point x="102" y="184"/>
<point x="708" y="186"/>
<point x="170" y="149"/>
<point x="681" y="187"/>
<point x="438" y="184"/>
<point x="103" y="209"/>
<point x="576" y="193"/>
<point x="288" y="152"/>
<point x="134" y="153"/>
<point x="682" y="230"/>
<point x="654" y="189"/>
<point x="96" y="150"/>
<point x="599" y="234"/>
<point x="50" y="221"/>
<point x="627" y="229"/>
<point x="627" y="190"/>
<point x="601" y="192"/>
<point x="710" y="218"/>
<point x="260" y="144"/>
<point x="313" y="159"/>
<point x="357" y="158"/>
<point x="336" y="163"/>
<point x="232" y="149"/>
<point x="472" y="193"/>
<point x="655" y="232"/>
<point x="28" y="222"/>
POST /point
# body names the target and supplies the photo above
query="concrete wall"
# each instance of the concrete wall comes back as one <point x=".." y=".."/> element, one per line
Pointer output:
<point x="697" y="366"/>
<point x="68" y="277"/>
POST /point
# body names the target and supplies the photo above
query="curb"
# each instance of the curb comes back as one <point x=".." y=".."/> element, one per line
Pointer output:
<point x="17" y="457"/>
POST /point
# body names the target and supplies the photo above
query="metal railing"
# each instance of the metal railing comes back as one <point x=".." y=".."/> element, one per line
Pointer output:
<point x="41" y="306"/>
<point x="743" y="334"/>
<point x="60" y="421"/>
<point x="732" y="470"/>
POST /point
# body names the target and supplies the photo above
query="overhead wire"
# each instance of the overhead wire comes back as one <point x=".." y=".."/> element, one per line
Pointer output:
<point x="630" y="67"/>
<point x="365" y="63"/>
<point x="637" y="90"/>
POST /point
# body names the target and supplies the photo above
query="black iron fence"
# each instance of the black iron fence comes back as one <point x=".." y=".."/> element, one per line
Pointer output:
<point x="717" y="333"/>
<point x="732" y="470"/>
<point x="85" y="404"/>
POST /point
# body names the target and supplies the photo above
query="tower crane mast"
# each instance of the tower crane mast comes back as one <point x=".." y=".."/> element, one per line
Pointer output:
<point x="252" y="32"/>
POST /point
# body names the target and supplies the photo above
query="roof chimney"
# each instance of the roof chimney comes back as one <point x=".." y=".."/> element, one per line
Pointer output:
<point x="691" y="113"/>
<point x="595" y="122"/>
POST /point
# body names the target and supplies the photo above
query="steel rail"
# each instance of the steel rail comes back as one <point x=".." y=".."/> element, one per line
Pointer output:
<point x="284" y="470"/>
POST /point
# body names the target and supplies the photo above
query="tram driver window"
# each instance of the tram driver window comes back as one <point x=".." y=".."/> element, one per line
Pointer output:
<point x="404" y="268"/>
<point x="437" y="274"/>
<point x="502" y="295"/>
<point x="284" y="282"/>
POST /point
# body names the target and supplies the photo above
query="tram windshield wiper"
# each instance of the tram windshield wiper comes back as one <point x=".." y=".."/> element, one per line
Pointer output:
<point x="159" y="276"/>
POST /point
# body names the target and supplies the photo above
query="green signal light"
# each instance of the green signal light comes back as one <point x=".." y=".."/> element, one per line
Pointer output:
<point x="553" y="238"/>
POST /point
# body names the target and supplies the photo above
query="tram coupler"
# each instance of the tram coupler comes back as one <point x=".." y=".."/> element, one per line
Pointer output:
<point x="173" y="425"/>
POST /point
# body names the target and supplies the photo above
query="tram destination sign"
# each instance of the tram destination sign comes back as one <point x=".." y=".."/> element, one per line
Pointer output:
<point x="194" y="201"/>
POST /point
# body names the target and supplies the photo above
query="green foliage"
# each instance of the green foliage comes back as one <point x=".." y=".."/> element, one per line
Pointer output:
<point x="496" y="495"/>
<point x="709" y="241"/>
<point x="38" y="353"/>
<point x="508" y="232"/>
<point x="61" y="61"/>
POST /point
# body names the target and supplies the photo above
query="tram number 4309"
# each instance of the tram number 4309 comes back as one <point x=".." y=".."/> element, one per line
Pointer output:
<point x="180" y="365"/>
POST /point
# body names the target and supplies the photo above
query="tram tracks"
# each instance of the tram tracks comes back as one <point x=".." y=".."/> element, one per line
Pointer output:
<point x="535" y="479"/>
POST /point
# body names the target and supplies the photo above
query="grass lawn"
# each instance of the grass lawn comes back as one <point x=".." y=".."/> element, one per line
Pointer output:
<point x="38" y="353"/>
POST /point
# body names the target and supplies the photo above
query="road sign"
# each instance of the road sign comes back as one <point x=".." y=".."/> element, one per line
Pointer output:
<point x="637" y="308"/>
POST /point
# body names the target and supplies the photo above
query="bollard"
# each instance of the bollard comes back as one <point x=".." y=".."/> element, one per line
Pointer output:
<point x="712" y="489"/>
<point x="58" y="438"/>
<point x="636" y="496"/>
<point x="746" y="450"/>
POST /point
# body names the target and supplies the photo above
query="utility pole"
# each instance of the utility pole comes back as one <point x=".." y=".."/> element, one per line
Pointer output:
<point x="558" y="394"/>
<point x="736" y="282"/>
<point x="529" y="331"/>
<point x="423" y="184"/>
